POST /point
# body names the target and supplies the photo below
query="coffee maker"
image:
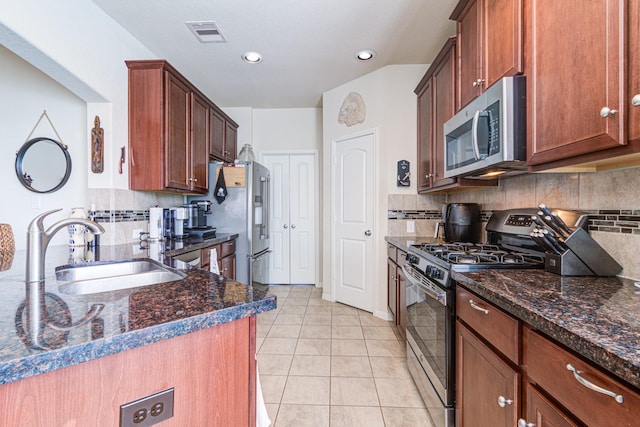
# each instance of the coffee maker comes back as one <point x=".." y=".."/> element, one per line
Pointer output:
<point x="180" y="217"/>
<point x="196" y="222"/>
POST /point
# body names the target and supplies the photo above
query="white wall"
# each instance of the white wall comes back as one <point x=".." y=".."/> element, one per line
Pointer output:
<point x="391" y="109"/>
<point x="287" y="129"/>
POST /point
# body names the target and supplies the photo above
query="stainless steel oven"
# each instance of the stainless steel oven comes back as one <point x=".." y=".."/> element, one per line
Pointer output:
<point x="430" y="338"/>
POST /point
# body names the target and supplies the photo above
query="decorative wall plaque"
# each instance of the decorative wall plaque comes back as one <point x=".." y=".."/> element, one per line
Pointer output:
<point x="353" y="110"/>
<point x="97" y="147"/>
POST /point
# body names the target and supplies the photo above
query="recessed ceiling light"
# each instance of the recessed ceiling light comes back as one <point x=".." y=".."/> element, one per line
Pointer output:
<point x="252" y="57"/>
<point x="365" y="54"/>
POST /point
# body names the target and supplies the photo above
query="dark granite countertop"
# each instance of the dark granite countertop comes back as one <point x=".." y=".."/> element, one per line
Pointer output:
<point x="596" y="317"/>
<point x="131" y="318"/>
<point x="405" y="242"/>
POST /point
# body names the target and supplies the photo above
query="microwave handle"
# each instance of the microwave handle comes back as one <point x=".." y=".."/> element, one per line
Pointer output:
<point x="474" y="134"/>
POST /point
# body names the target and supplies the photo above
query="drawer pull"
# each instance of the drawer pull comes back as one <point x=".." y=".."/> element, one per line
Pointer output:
<point x="618" y="397"/>
<point x="475" y="306"/>
<point x="503" y="401"/>
<point x="523" y="423"/>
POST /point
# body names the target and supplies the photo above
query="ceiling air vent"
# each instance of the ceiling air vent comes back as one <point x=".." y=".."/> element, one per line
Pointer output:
<point x="206" y="31"/>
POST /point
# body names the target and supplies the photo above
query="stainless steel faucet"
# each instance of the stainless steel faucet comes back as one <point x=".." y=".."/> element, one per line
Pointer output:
<point x="38" y="239"/>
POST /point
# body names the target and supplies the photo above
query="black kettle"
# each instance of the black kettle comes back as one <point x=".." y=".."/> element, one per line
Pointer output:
<point x="461" y="222"/>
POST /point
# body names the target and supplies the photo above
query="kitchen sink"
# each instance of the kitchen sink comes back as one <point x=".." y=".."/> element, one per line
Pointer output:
<point x="113" y="276"/>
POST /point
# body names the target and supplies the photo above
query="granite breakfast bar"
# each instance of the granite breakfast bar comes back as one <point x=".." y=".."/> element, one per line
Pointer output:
<point x="196" y="335"/>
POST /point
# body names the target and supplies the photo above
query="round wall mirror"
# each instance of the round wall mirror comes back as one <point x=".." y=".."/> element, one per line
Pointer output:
<point x="43" y="165"/>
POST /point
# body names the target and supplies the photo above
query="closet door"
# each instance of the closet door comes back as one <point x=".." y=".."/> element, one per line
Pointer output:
<point x="293" y="218"/>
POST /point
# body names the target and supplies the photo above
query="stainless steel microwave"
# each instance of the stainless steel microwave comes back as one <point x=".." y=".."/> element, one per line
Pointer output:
<point x="487" y="138"/>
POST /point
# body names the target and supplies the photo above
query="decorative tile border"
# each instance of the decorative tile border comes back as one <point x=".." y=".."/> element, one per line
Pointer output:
<point x="122" y="215"/>
<point x="625" y="221"/>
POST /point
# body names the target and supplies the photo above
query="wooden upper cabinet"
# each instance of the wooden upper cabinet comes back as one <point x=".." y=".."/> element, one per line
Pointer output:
<point x="230" y="141"/>
<point x="199" y="143"/>
<point x="575" y="73"/>
<point x="177" y="142"/>
<point x="489" y="44"/>
<point x="425" y="99"/>
<point x="216" y="141"/>
<point x="633" y="102"/>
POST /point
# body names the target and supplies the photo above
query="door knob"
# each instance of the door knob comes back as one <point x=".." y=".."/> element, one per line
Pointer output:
<point x="367" y="233"/>
<point x="606" y="112"/>
<point x="293" y="226"/>
<point x="285" y="226"/>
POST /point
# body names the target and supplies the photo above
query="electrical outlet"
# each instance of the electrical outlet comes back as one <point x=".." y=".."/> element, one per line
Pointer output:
<point x="148" y="410"/>
<point x="136" y="233"/>
<point x="411" y="227"/>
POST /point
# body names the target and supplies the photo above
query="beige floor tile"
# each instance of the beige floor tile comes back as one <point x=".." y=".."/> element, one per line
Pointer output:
<point x="398" y="392"/>
<point x="344" y="320"/>
<point x="272" y="411"/>
<point x="307" y="390"/>
<point x="317" y="319"/>
<point x="353" y="391"/>
<point x="303" y="416"/>
<point x="296" y="300"/>
<point x="293" y="309"/>
<point x="403" y="417"/>
<point x="378" y="333"/>
<point x="272" y="387"/>
<point x="311" y="366"/>
<point x="314" y="346"/>
<point x="350" y="366"/>
<point x="266" y="318"/>
<point x="316" y="299"/>
<point x="289" y="319"/>
<point x="319" y="309"/>
<point x="278" y="346"/>
<point x="346" y="332"/>
<point x="301" y="290"/>
<point x="389" y="367"/>
<point x="368" y="319"/>
<point x="311" y="331"/>
<point x="259" y="341"/>
<point x="357" y="416"/>
<point x="274" y="364"/>
<point x="348" y="348"/>
<point x="262" y="330"/>
<point x="387" y="348"/>
<point x="344" y="310"/>
<point x="284" y="331"/>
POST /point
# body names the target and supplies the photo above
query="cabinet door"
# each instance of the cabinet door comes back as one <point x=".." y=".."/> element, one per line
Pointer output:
<point x="483" y="380"/>
<point x="177" y="133"/>
<point x="424" y="136"/>
<point x="216" y="136"/>
<point x="633" y="103"/>
<point x="444" y="78"/>
<point x="401" y="290"/>
<point x="502" y="35"/>
<point x="541" y="412"/>
<point x="469" y="53"/>
<point x="228" y="267"/>
<point x="230" y="142"/>
<point x="575" y="67"/>
<point x="199" y="144"/>
<point x="392" y="291"/>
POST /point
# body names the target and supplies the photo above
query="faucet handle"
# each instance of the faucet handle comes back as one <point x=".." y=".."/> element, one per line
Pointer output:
<point x="36" y="223"/>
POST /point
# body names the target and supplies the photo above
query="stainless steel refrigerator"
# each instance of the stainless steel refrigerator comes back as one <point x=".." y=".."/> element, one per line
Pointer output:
<point x="245" y="211"/>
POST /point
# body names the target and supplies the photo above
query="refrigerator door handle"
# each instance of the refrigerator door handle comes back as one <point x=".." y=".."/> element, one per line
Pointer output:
<point x="267" y="207"/>
<point x="259" y="256"/>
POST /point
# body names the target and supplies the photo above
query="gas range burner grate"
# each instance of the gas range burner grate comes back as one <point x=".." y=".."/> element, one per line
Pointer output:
<point x="481" y="255"/>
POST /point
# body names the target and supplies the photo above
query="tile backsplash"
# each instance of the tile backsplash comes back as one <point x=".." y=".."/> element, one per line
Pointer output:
<point x="609" y="198"/>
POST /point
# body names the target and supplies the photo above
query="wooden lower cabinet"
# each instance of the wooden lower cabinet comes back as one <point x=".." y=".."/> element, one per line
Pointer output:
<point x="226" y="253"/>
<point x="483" y="380"/>
<point x="396" y="288"/>
<point x="542" y="412"/>
<point x="212" y="372"/>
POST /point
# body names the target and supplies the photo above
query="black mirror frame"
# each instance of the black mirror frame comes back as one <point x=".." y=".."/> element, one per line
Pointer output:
<point x="21" y="174"/>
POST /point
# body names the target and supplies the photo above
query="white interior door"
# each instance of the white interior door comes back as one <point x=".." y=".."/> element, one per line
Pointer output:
<point x="293" y="218"/>
<point x="353" y="201"/>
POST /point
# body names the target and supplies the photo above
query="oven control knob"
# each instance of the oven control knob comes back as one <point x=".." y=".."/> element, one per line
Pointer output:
<point x="435" y="273"/>
<point x="428" y="269"/>
<point x="413" y="259"/>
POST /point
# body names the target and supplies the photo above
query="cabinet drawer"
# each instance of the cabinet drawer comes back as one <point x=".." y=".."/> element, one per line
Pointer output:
<point x="401" y="257"/>
<point x="226" y="249"/>
<point x="547" y="366"/>
<point x="498" y="328"/>
<point x="392" y="252"/>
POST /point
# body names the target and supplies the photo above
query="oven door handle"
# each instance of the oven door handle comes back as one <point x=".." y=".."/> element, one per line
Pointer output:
<point x="439" y="296"/>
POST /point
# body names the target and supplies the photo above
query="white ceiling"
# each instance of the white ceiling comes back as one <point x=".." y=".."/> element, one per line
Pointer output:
<point x="308" y="46"/>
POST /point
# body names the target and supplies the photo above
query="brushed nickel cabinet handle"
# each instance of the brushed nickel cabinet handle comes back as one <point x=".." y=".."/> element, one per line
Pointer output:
<point x="475" y="306"/>
<point x="607" y="112"/>
<point x="635" y="101"/>
<point x="523" y="423"/>
<point x="503" y="401"/>
<point x="588" y="384"/>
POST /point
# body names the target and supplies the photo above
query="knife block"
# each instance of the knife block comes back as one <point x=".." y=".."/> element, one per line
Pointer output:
<point x="584" y="257"/>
